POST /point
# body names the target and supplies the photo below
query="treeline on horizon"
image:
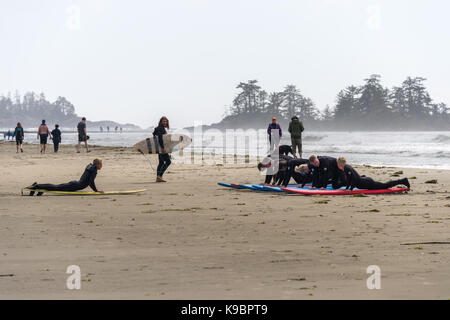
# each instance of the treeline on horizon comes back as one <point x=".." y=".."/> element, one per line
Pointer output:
<point x="370" y="106"/>
<point x="34" y="107"/>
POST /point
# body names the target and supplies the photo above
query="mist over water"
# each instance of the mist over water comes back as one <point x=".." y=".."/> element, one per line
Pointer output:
<point x="401" y="149"/>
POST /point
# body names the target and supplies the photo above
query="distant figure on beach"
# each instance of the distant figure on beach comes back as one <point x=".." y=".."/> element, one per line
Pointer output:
<point x="275" y="134"/>
<point x="9" y="134"/>
<point x="82" y="135"/>
<point x="107" y="128"/>
<point x="43" y="133"/>
<point x="56" y="133"/>
<point x="120" y="129"/>
<point x="116" y="128"/>
<point x="295" y="129"/>
<point x="87" y="179"/>
<point x="19" y="135"/>
<point x="354" y="180"/>
<point x="101" y="129"/>
<point x="163" y="156"/>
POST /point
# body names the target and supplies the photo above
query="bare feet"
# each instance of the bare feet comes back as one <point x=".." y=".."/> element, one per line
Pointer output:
<point x="159" y="179"/>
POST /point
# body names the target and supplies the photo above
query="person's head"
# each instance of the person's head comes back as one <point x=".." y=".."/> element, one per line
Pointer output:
<point x="262" y="166"/>
<point x="341" y="162"/>
<point x="19" y="125"/>
<point x="164" y="122"/>
<point x="304" y="168"/>
<point x="98" y="164"/>
<point x="294" y="118"/>
<point x="274" y="119"/>
<point x="83" y="119"/>
<point x="56" y="126"/>
<point x="43" y="122"/>
<point x="314" y="161"/>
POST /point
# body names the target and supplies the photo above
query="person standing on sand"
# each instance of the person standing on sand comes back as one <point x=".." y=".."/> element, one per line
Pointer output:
<point x="164" y="157"/>
<point x="274" y="131"/>
<point x="82" y="135"/>
<point x="56" y="133"/>
<point x="19" y="135"/>
<point x="43" y="133"/>
<point x="295" y="129"/>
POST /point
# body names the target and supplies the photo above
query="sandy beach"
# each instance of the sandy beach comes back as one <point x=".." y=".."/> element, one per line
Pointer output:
<point x="192" y="239"/>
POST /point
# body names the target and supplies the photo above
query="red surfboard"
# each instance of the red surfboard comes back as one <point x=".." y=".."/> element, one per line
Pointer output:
<point x="342" y="192"/>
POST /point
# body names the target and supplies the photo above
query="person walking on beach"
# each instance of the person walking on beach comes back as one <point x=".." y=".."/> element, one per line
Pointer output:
<point x="43" y="133"/>
<point x="19" y="135"/>
<point x="164" y="157"/>
<point x="295" y="129"/>
<point x="56" y="133"/>
<point x="82" y="135"/>
<point x="87" y="179"/>
<point x="275" y="134"/>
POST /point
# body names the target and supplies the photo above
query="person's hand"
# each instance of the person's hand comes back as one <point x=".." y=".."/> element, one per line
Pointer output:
<point x="101" y="191"/>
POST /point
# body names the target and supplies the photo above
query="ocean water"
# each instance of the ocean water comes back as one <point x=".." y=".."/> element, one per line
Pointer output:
<point x="399" y="149"/>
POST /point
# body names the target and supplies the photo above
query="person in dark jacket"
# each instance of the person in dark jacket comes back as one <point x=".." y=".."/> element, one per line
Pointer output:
<point x="19" y="135"/>
<point x="275" y="134"/>
<point x="325" y="170"/>
<point x="354" y="180"/>
<point x="163" y="156"/>
<point x="295" y="129"/>
<point x="87" y="179"/>
<point x="56" y="134"/>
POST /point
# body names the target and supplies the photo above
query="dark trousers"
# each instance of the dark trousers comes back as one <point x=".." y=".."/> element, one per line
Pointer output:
<point x="56" y="146"/>
<point x="164" y="163"/>
<point x="70" y="186"/>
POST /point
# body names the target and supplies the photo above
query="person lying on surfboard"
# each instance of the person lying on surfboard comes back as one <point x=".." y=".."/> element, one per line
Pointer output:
<point x="354" y="180"/>
<point x="325" y="171"/>
<point x="87" y="179"/>
<point x="301" y="176"/>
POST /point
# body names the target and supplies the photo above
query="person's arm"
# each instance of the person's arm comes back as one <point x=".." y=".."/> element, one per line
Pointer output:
<point x="92" y="177"/>
<point x="290" y="127"/>
<point x="269" y="130"/>
<point x="302" y="128"/>
<point x="281" y="133"/>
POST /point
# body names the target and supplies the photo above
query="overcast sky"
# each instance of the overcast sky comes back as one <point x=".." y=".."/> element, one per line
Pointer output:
<point x="133" y="61"/>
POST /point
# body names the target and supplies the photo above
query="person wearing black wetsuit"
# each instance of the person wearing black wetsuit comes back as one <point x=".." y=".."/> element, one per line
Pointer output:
<point x="290" y="171"/>
<point x="163" y="156"/>
<point x="354" y="180"/>
<point x="275" y="168"/>
<point x="325" y="169"/>
<point x="19" y="135"/>
<point x="87" y="179"/>
<point x="56" y="134"/>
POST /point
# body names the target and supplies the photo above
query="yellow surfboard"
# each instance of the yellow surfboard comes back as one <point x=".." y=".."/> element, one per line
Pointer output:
<point x="86" y="193"/>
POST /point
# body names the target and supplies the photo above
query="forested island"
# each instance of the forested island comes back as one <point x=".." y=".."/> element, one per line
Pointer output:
<point x="370" y="106"/>
<point x="32" y="108"/>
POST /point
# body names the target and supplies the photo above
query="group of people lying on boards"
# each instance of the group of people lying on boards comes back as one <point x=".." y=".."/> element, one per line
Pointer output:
<point x="320" y="171"/>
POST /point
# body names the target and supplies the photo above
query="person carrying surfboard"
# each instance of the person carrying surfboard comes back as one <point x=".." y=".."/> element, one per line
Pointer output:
<point x="87" y="179"/>
<point x="363" y="182"/>
<point x="163" y="156"/>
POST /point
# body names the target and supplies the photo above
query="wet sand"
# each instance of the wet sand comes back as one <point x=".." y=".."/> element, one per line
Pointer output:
<point x="192" y="239"/>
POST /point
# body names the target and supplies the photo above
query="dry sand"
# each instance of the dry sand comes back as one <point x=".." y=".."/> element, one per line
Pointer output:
<point x="191" y="239"/>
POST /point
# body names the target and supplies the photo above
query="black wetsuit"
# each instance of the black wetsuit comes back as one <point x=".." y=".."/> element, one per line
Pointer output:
<point x="278" y="168"/>
<point x="87" y="179"/>
<point x="164" y="158"/>
<point x="18" y="133"/>
<point x="327" y="170"/>
<point x="56" y="133"/>
<point x="363" y="182"/>
<point x="291" y="164"/>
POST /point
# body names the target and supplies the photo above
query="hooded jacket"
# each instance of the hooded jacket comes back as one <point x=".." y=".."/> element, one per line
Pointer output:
<point x="296" y="128"/>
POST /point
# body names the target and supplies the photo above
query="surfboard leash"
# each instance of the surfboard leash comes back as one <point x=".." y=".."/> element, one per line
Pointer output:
<point x="148" y="159"/>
